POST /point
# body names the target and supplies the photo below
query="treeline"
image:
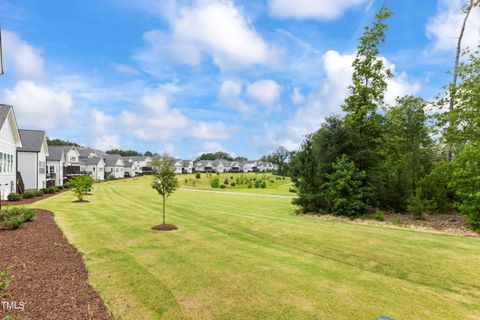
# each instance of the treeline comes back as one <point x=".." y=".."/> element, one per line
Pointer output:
<point x="413" y="156"/>
<point x="219" y="155"/>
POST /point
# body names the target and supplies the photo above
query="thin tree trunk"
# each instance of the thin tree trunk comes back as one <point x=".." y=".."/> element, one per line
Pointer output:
<point x="163" y="210"/>
<point x="453" y="88"/>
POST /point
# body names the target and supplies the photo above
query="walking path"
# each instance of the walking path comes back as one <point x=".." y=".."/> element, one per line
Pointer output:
<point x="239" y="193"/>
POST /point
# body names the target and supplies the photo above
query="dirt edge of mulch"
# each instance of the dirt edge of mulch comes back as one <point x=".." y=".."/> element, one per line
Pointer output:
<point x="165" y="227"/>
<point x="48" y="275"/>
<point x="31" y="200"/>
<point x="444" y="223"/>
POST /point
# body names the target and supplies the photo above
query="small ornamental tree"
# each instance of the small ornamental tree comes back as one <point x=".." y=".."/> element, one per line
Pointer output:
<point x="81" y="186"/>
<point x="165" y="180"/>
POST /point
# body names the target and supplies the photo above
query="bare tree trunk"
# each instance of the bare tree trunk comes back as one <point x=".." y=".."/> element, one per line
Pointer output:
<point x="163" y="210"/>
<point x="453" y="87"/>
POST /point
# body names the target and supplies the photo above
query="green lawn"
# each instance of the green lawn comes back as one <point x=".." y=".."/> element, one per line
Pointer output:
<point x="274" y="184"/>
<point x="245" y="257"/>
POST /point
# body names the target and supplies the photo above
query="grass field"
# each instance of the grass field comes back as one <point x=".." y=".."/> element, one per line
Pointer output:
<point x="274" y="184"/>
<point x="246" y="257"/>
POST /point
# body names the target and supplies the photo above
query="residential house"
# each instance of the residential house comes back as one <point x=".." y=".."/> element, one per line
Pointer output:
<point x="183" y="166"/>
<point x="9" y="142"/>
<point x="94" y="167"/>
<point x="236" y="167"/>
<point x="129" y="167"/>
<point x="141" y="164"/>
<point x="204" y="166"/>
<point x="55" y="164"/>
<point x="72" y="165"/>
<point x="178" y="165"/>
<point x="32" y="159"/>
<point x="114" y="166"/>
<point x="250" y="166"/>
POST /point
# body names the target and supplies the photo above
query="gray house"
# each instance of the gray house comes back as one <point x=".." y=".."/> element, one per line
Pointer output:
<point x="55" y="164"/>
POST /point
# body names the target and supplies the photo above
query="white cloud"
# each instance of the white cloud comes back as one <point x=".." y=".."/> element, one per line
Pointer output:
<point x="157" y="121"/>
<point x="213" y="28"/>
<point x="444" y="28"/>
<point x="124" y="69"/>
<point x="264" y="91"/>
<point x="38" y="106"/>
<point x="211" y="146"/>
<point x="330" y="97"/>
<point x="21" y="57"/>
<point x="229" y="95"/>
<point x="311" y="9"/>
<point x="297" y="96"/>
<point x="107" y="142"/>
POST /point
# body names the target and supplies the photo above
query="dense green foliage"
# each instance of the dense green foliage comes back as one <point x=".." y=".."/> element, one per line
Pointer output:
<point x="14" y="196"/>
<point x="124" y="153"/>
<point x="393" y="157"/>
<point x="60" y="142"/>
<point x="280" y="157"/>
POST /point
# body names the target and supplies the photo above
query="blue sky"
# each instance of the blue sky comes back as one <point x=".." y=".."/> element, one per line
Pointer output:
<point x="185" y="77"/>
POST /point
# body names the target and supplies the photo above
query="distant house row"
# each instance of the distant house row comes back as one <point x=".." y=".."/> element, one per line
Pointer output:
<point x="27" y="162"/>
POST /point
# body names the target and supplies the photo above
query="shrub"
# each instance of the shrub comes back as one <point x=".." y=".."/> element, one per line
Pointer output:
<point x="67" y="185"/>
<point x="81" y="185"/>
<point x="13" y="218"/>
<point x="110" y="177"/>
<point x="232" y="184"/>
<point x="345" y="191"/>
<point x="51" y="190"/>
<point x="38" y="193"/>
<point x="257" y="184"/>
<point x="198" y="176"/>
<point x="186" y="181"/>
<point x="14" y="196"/>
<point x="263" y="185"/>
<point x="29" y="194"/>
<point x="58" y="189"/>
<point x="379" y="215"/>
<point x="44" y="190"/>
<point x="418" y="206"/>
<point x="226" y="181"/>
<point x="4" y="281"/>
<point x="292" y="190"/>
<point x="223" y="186"/>
<point x="215" y="182"/>
<point x="250" y="186"/>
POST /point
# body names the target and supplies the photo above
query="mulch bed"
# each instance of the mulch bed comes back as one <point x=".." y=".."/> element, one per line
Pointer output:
<point x="165" y="227"/>
<point x="451" y="223"/>
<point x="31" y="200"/>
<point x="47" y="274"/>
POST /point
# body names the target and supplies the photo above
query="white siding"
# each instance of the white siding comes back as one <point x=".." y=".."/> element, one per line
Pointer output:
<point x="27" y="165"/>
<point x="7" y="146"/>
<point x="58" y="170"/>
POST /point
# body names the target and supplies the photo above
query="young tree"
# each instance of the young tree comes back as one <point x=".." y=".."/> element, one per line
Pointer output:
<point x="165" y="180"/>
<point x="81" y="186"/>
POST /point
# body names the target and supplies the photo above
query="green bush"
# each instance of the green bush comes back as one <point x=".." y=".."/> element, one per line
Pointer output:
<point x="226" y="181"/>
<point x="263" y="185"/>
<point x="38" y="193"/>
<point x="51" y="190"/>
<point x="14" y="196"/>
<point x="223" y="186"/>
<point x="13" y="218"/>
<point x="44" y="190"/>
<point x="29" y="194"/>
<point x="257" y="183"/>
<point x="81" y="185"/>
<point x="379" y="215"/>
<point x="232" y="184"/>
<point x="198" y="176"/>
<point x="215" y="182"/>
<point x="345" y="191"/>
<point x="67" y="185"/>
<point x="58" y="188"/>
<point x="418" y="206"/>
<point x="292" y="190"/>
<point x="250" y="186"/>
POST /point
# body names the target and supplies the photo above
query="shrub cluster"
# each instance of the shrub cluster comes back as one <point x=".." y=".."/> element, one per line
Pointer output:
<point x="14" y="218"/>
<point x="14" y="196"/>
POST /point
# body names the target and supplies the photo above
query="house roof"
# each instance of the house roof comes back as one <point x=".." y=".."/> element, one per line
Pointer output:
<point x="55" y="153"/>
<point x="4" y="110"/>
<point x="186" y="163"/>
<point x="32" y="140"/>
<point x="91" y="161"/>
<point x="84" y="152"/>
<point x="111" y="160"/>
<point x="135" y="158"/>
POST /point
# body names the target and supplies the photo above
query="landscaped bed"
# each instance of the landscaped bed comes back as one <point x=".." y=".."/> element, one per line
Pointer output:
<point x="47" y="274"/>
<point x="24" y="201"/>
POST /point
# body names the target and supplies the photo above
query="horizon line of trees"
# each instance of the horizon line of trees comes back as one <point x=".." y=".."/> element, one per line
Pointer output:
<point x="411" y="156"/>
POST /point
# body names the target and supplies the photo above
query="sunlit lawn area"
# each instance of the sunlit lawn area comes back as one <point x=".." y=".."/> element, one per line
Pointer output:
<point x="245" y="257"/>
<point x="241" y="181"/>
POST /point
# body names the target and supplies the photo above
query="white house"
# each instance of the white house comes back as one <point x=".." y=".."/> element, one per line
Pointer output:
<point x="114" y="166"/>
<point x="187" y="166"/>
<point x="250" y="166"/>
<point x="72" y="166"/>
<point x="32" y="159"/>
<point x="9" y="142"/>
<point x="95" y="167"/>
<point x="204" y="166"/>
<point x="129" y="167"/>
<point x="141" y="164"/>
<point x="55" y="164"/>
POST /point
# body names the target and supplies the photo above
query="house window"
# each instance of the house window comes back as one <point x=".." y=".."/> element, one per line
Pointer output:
<point x="51" y="169"/>
<point x="73" y="159"/>
<point x="93" y="169"/>
<point x="117" y="170"/>
<point x="41" y="167"/>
